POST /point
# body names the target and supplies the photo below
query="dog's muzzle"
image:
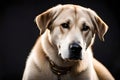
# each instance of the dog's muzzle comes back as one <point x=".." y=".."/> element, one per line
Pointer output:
<point x="75" y="51"/>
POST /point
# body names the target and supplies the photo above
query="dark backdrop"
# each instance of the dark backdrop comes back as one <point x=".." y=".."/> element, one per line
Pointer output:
<point x="18" y="33"/>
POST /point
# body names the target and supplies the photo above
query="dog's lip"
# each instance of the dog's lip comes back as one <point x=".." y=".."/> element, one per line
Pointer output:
<point x="68" y="59"/>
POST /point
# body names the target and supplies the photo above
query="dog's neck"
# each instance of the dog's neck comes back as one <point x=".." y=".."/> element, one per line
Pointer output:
<point x="58" y="70"/>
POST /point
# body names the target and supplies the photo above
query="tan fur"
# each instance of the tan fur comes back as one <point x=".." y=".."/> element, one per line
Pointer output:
<point x="54" y="41"/>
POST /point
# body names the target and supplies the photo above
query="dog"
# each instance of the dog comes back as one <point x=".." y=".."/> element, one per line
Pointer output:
<point x="63" y="50"/>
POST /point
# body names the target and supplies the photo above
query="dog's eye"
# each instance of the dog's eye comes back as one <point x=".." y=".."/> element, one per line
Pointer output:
<point x="65" y="25"/>
<point x="85" y="27"/>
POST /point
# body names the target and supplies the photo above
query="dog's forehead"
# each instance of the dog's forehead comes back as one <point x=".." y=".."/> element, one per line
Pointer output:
<point x="73" y="13"/>
<point x="73" y="10"/>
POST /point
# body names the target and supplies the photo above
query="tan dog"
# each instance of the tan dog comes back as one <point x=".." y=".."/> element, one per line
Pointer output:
<point x="63" y="51"/>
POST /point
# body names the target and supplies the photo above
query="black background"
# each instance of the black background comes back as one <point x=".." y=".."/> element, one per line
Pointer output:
<point x="18" y="33"/>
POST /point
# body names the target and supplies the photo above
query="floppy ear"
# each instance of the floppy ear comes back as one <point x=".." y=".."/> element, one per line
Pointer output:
<point x="45" y="19"/>
<point x="100" y="26"/>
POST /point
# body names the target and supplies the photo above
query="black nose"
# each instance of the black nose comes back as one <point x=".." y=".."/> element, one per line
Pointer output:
<point x="75" y="51"/>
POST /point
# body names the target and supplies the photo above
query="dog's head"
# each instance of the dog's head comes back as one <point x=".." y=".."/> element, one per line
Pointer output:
<point x="72" y="29"/>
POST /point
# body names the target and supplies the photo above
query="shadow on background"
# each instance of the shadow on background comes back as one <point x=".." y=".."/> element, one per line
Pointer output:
<point x="18" y="33"/>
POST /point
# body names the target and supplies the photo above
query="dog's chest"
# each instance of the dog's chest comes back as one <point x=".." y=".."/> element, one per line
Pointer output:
<point x="70" y="77"/>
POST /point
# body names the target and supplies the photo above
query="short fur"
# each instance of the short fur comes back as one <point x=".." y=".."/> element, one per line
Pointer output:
<point x="54" y="41"/>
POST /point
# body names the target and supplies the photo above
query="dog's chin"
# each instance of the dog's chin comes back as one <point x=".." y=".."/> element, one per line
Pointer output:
<point x="74" y="59"/>
<point x="71" y="59"/>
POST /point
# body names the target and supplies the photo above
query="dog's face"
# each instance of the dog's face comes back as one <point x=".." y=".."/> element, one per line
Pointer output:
<point x="72" y="29"/>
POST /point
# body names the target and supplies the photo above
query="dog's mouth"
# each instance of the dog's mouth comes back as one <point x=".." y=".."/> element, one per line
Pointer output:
<point x="72" y="58"/>
<point x="75" y="57"/>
